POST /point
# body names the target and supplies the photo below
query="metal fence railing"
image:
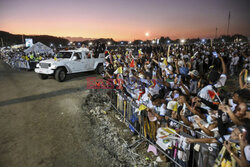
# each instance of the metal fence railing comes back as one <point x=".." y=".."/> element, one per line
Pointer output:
<point x="139" y="123"/>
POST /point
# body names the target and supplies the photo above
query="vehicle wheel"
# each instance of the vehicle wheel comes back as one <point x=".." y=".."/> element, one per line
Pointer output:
<point x="60" y="75"/>
<point x="43" y="76"/>
<point x="99" y="69"/>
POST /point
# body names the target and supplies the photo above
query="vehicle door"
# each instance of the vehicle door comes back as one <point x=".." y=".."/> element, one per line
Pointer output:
<point x="92" y="61"/>
<point x="85" y="61"/>
<point x="89" y="62"/>
<point x="77" y="65"/>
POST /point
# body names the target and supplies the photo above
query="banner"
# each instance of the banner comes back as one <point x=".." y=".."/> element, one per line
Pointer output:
<point x="28" y="42"/>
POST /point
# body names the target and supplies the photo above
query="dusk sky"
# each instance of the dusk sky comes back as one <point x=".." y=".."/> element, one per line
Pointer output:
<point x="125" y="19"/>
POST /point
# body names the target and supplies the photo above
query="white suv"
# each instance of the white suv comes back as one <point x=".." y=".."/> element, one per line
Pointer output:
<point x="68" y="62"/>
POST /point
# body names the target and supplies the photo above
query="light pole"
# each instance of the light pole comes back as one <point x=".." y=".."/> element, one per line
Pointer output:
<point x="147" y="35"/>
<point x="2" y="41"/>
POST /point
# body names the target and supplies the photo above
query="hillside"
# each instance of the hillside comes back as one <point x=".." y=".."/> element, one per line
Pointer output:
<point x="11" y="39"/>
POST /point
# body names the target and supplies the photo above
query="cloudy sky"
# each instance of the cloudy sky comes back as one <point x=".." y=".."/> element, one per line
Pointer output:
<point x="125" y="19"/>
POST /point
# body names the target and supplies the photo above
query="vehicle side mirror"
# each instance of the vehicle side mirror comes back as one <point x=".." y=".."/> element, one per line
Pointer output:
<point x="74" y="58"/>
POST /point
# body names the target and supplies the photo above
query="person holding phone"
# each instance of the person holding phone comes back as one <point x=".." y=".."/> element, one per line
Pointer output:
<point x="244" y="79"/>
<point x="244" y="140"/>
<point x="215" y="79"/>
<point x="234" y="64"/>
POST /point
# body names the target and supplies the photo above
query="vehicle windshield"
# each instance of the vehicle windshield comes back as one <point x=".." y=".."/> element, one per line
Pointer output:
<point x="64" y="55"/>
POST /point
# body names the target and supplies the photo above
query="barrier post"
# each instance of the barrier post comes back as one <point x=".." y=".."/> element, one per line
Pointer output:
<point x="124" y="110"/>
<point x="118" y="102"/>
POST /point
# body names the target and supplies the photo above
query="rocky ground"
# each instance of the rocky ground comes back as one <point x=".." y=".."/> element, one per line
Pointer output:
<point x="113" y="135"/>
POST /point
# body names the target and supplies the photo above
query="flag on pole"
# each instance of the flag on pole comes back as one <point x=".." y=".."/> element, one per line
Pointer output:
<point x="229" y="17"/>
<point x="245" y="76"/>
<point x="141" y="92"/>
<point x="120" y="70"/>
<point x="153" y="83"/>
<point x="165" y="62"/>
<point x="168" y="50"/>
<point x="132" y="64"/>
<point x="211" y="94"/>
<point x="139" y="53"/>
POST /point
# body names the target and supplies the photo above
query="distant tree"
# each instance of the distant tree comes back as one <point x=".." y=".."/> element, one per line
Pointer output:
<point x="177" y="41"/>
<point x="137" y="42"/>
<point x="239" y="38"/>
<point x="162" y="40"/>
<point x="168" y="39"/>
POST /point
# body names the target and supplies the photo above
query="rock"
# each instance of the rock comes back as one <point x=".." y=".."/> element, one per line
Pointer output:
<point x="92" y="111"/>
<point x="125" y="130"/>
<point x="97" y="109"/>
<point x="115" y="139"/>
<point x="103" y="112"/>
<point x="107" y="134"/>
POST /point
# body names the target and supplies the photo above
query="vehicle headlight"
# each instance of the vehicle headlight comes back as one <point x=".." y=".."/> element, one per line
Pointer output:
<point x="37" y="65"/>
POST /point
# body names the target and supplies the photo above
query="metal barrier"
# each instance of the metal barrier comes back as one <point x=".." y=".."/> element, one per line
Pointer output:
<point x="126" y="107"/>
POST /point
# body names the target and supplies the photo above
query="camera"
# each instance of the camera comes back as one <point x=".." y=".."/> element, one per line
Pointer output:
<point x="215" y="54"/>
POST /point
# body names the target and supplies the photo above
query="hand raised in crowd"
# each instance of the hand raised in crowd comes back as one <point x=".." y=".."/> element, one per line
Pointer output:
<point x="176" y="61"/>
<point x="195" y="100"/>
<point x="182" y="113"/>
<point x="197" y="119"/>
<point x="241" y="82"/>
<point x="243" y="141"/>
<point x="227" y="144"/>
<point x="243" y="72"/>
<point x="225" y="108"/>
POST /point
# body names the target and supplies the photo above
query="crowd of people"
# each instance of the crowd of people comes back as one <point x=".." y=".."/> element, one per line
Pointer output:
<point x="188" y="83"/>
<point x="18" y="59"/>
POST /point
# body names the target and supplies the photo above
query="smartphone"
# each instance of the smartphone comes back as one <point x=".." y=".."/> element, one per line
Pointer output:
<point x="248" y="79"/>
<point x="215" y="54"/>
<point x="179" y="79"/>
<point x="176" y="95"/>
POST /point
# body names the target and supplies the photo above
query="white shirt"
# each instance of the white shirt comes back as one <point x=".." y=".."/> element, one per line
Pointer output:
<point x="247" y="152"/>
<point x="150" y="115"/>
<point x="204" y="92"/>
<point x="235" y="60"/>
<point x="155" y="90"/>
<point x="221" y="82"/>
<point x="145" y="99"/>
<point x="161" y="110"/>
<point x="166" y="68"/>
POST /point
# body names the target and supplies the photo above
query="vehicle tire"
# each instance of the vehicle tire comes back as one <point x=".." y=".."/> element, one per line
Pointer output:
<point x="60" y="74"/>
<point x="99" y="69"/>
<point x="43" y="76"/>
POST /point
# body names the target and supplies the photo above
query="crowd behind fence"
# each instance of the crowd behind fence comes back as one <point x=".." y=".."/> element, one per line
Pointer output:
<point x="176" y="97"/>
<point x="138" y="123"/>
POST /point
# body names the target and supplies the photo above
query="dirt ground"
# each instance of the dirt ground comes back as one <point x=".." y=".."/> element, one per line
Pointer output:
<point x="41" y="121"/>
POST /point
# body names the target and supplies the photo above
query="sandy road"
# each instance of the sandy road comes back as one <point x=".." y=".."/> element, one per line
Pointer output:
<point x="40" y="120"/>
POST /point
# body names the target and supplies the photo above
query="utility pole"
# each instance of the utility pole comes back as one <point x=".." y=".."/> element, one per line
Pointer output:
<point x="229" y="17"/>
<point x="216" y="29"/>
<point x="22" y="39"/>
<point x="2" y="41"/>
